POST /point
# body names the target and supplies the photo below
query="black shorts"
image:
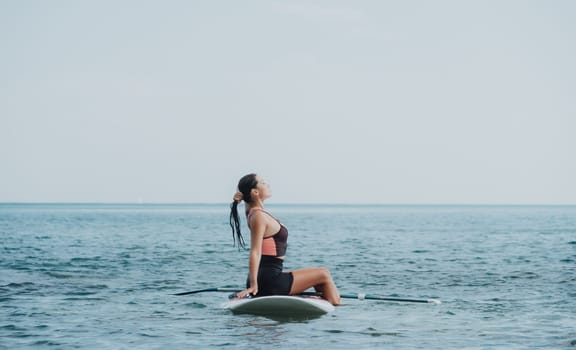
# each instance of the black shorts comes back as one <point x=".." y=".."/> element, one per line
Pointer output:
<point x="271" y="279"/>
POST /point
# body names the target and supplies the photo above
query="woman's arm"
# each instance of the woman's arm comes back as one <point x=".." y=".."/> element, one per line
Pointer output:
<point x="257" y="228"/>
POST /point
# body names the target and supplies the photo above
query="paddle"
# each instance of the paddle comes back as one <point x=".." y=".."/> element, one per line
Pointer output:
<point x="362" y="296"/>
<point x="359" y="296"/>
<point x="229" y="290"/>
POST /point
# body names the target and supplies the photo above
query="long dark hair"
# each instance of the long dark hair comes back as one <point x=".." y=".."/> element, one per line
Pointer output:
<point x="245" y="186"/>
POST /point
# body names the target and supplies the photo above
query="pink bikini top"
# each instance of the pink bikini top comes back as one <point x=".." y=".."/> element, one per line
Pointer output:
<point x="276" y="244"/>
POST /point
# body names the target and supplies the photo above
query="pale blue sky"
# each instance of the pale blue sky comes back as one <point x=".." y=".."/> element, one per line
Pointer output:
<point x="331" y="101"/>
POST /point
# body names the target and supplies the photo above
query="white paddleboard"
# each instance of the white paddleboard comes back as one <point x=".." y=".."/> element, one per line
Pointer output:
<point x="281" y="306"/>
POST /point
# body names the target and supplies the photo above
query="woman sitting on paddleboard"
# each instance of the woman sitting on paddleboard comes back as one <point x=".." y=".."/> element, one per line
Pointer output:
<point x="268" y="247"/>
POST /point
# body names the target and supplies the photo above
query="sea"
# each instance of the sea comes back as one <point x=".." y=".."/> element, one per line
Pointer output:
<point x="103" y="276"/>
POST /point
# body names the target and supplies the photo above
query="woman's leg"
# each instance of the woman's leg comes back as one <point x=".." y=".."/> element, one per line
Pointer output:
<point x="320" y="279"/>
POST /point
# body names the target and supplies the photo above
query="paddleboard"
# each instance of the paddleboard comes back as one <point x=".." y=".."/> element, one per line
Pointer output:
<point x="281" y="306"/>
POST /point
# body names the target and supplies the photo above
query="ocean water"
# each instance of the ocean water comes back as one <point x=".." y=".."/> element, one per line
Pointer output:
<point x="80" y="276"/>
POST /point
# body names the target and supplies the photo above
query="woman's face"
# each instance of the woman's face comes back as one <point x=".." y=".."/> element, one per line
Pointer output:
<point x="263" y="188"/>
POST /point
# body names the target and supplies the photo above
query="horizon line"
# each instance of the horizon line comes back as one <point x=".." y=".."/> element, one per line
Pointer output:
<point x="282" y="203"/>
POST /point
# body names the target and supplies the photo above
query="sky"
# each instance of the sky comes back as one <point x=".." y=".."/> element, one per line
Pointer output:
<point x="349" y="102"/>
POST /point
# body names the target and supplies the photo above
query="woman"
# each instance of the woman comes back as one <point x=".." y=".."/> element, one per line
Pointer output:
<point x="268" y="247"/>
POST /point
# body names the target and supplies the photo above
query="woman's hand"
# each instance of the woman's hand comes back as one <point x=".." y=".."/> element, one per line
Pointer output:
<point x="252" y="291"/>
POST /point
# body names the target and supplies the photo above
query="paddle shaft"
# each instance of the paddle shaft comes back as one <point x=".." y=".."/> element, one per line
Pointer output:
<point x="359" y="296"/>
<point x="228" y="290"/>
<point x="375" y="297"/>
